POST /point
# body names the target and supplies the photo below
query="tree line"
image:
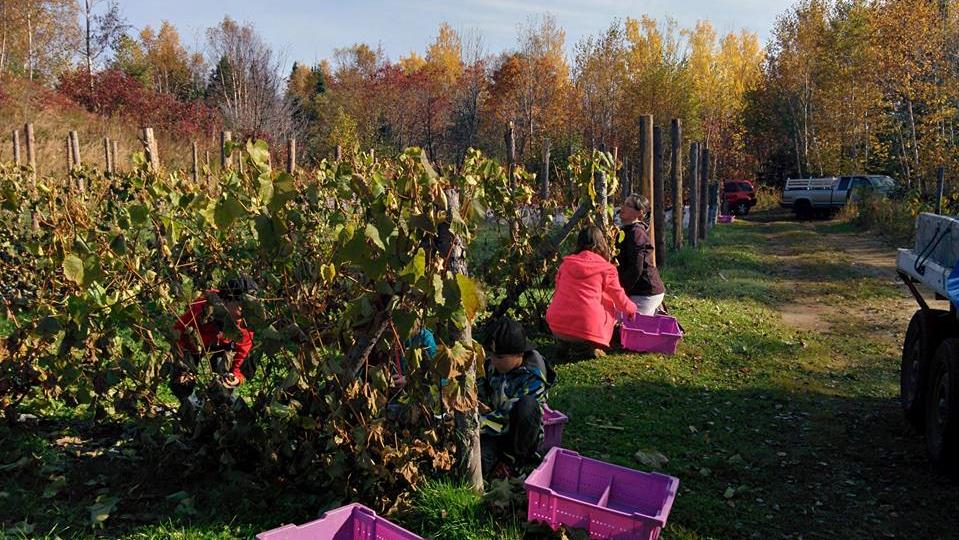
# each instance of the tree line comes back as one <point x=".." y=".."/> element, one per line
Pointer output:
<point x="842" y="86"/>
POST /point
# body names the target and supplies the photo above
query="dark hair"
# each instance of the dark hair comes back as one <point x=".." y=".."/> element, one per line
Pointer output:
<point x="507" y="336"/>
<point x="639" y="203"/>
<point x="235" y="288"/>
<point x="591" y="238"/>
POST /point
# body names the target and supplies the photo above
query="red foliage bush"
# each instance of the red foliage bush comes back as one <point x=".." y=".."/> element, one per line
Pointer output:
<point x="115" y="93"/>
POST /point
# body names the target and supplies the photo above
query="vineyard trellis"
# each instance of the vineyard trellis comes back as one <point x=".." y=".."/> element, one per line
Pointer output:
<point x="352" y="257"/>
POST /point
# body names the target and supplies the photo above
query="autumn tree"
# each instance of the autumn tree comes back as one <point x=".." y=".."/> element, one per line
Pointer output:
<point x="245" y="84"/>
<point x="600" y="70"/>
<point x="37" y="37"/>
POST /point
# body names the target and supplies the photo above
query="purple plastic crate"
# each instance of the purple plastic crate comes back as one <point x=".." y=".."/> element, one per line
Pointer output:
<point x="726" y="218"/>
<point x="553" y="424"/>
<point x="656" y="333"/>
<point x="609" y="501"/>
<point x="350" y="522"/>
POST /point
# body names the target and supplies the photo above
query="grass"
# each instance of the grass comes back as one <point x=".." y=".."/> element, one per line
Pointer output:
<point x="773" y="430"/>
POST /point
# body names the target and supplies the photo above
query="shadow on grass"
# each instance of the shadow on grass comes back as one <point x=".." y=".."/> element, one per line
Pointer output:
<point x="767" y="463"/>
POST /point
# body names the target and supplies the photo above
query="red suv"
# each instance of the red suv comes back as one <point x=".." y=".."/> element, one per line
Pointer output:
<point x="739" y="196"/>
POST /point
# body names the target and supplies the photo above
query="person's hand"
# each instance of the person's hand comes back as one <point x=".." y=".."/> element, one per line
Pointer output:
<point x="230" y="380"/>
<point x="399" y="380"/>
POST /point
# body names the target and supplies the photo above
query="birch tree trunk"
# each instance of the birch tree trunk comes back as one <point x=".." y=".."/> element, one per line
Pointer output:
<point x="88" y="13"/>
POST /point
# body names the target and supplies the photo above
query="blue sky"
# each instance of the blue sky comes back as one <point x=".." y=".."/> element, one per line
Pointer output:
<point x="308" y="31"/>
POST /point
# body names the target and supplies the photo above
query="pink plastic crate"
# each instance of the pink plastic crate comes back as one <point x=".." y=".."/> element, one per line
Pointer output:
<point x="350" y="522"/>
<point x="726" y="218"/>
<point x="609" y="501"/>
<point x="553" y="424"/>
<point x="656" y="333"/>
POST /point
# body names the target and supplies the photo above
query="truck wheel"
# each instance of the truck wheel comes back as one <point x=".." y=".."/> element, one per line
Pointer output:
<point x="942" y="407"/>
<point x="925" y="332"/>
<point x="741" y="209"/>
<point x="803" y="209"/>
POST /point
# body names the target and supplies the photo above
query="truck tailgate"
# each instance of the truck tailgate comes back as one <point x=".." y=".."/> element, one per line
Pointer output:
<point x="933" y="275"/>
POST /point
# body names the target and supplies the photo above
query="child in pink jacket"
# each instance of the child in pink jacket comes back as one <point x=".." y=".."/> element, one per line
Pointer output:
<point x="588" y="295"/>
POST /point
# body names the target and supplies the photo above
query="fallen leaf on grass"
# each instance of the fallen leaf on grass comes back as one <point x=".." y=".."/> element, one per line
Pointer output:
<point x="651" y="458"/>
<point x="608" y="426"/>
<point x="63" y="441"/>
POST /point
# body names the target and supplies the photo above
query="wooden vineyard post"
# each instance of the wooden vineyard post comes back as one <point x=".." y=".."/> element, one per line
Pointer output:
<point x="694" y="194"/>
<point x="676" y="181"/>
<point x="646" y="188"/>
<point x="659" y="196"/>
<point x="114" y="152"/>
<point x="75" y="161"/>
<point x="703" y="191"/>
<point x="602" y="199"/>
<point x="107" y="158"/>
<point x="69" y="153"/>
<point x="16" y="147"/>
<point x="196" y="163"/>
<point x="150" y="147"/>
<point x="226" y="160"/>
<point x="466" y="422"/>
<point x="339" y="153"/>
<point x="291" y="155"/>
<point x="511" y="157"/>
<point x="75" y="149"/>
<point x="31" y="151"/>
<point x="545" y="187"/>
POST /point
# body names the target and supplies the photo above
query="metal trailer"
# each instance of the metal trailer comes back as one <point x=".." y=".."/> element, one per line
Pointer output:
<point x="929" y="373"/>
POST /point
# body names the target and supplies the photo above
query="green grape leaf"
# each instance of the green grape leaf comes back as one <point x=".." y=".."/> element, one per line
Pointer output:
<point x="227" y="211"/>
<point x="374" y="236"/>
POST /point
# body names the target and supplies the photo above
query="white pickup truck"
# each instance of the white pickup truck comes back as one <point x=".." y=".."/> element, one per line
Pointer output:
<point x="807" y="196"/>
<point x="929" y="373"/>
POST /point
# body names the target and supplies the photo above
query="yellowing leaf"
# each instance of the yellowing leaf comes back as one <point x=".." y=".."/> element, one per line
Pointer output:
<point x="328" y="272"/>
<point x="73" y="268"/>
<point x="470" y="295"/>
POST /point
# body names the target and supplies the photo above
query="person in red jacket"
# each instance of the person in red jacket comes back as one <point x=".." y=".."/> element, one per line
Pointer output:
<point x="201" y="331"/>
<point x="588" y="297"/>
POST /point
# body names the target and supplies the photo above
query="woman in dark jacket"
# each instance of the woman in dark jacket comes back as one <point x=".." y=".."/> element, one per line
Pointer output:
<point x="637" y="273"/>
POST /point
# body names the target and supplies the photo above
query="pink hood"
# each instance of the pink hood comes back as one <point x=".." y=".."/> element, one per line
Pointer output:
<point x="587" y="297"/>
